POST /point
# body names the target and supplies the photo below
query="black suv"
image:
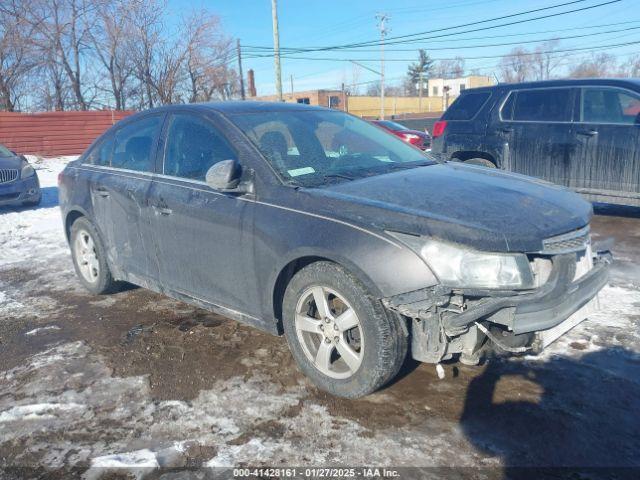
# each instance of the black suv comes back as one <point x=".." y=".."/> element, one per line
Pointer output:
<point x="583" y="134"/>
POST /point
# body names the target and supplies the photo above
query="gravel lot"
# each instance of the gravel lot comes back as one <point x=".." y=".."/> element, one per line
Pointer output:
<point x="136" y="381"/>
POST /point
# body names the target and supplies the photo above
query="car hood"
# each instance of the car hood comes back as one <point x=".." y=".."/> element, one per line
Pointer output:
<point x="11" y="162"/>
<point x="482" y="208"/>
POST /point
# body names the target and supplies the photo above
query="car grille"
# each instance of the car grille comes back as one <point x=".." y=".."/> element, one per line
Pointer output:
<point x="575" y="241"/>
<point x="8" y="175"/>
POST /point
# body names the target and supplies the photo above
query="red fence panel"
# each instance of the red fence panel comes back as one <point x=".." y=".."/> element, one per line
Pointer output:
<point x="51" y="134"/>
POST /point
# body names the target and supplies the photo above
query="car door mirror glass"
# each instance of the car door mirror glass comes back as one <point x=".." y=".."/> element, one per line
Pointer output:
<point x="224" y="175"/>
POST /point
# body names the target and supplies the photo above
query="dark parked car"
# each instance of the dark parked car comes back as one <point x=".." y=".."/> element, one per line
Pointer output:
<point x="583" y="134"/>
<point x="18" y="180"/>
<point x="419" y="139"/>
<point x="308" y="222"/>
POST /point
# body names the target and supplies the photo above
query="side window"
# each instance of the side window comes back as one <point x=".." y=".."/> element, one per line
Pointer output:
<point x="506" y="113"/>
<point x="193" y="145"/>
<point x="544" y="105"/>
<point x="101" y="153"/>
<point x="466" y="106"/>
<point x="607" y="105"/>
<point x="134" y="145"/>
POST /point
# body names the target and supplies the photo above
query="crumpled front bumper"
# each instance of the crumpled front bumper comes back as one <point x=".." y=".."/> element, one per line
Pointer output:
<point x="543" y="308"/>
<point x="553" y="305"/>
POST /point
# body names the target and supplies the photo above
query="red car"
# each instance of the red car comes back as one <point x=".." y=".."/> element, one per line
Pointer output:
<point x="419" y="139"/>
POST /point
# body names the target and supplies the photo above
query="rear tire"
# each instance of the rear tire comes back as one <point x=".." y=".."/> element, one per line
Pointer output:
<point x="483" y="162"/>
<point x="90" y="259"/>
<point x="357" y="347"/>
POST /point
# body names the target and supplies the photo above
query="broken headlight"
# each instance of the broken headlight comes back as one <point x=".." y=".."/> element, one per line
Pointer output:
<point x="462" y="267"/>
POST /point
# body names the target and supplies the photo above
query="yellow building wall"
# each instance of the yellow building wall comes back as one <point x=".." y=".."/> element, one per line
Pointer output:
<point x="366" y="106"/>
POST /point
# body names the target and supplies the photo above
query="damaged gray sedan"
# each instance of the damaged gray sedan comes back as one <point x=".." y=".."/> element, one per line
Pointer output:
<point x="313" y="223"/>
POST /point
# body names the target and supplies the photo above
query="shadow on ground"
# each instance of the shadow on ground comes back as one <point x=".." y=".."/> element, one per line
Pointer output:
<point x="577" y="413"/>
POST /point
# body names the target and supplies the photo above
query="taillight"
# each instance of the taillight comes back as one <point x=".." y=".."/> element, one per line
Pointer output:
<point x="410" y="138"/>
<point x="439" y="128"/>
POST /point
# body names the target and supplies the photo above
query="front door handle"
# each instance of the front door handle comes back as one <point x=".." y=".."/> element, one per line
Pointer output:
<point x="588" y="133"/>
<point x="506" y="129"/>
<point x="162" y="210"/>
<point x="103" y="192"/>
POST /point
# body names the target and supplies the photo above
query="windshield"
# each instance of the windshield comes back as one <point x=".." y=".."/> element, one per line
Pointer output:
<point x="310" y="148"/>
<point x="5" y="152"/>
<point x="392" y="125"/>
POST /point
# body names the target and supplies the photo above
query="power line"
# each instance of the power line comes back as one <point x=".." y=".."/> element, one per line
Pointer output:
<point x="496" y="44"/>
<point x="403" y="38"/>
<point x="333" y="59"/>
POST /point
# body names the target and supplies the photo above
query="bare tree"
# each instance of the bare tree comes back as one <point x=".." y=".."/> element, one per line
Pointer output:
<point x="516" y="66"/>
<point x="17" y="59"/>
<point x="111" y="44"/>
<point x="631" y="68"/>
<point x="452" y="68"/>
<point x="597" y="65"/>
<point x="546" y="60"/>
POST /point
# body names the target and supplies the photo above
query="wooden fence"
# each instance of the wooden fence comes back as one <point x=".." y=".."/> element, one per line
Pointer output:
<point x="51" y="134"/>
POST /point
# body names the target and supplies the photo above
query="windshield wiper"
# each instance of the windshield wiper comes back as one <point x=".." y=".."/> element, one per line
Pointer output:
<point x="326" y="176"/>
<point x="405" y="165"/>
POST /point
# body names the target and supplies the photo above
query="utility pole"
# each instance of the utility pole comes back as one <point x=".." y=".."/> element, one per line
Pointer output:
<point x="276" y="49"/>
<point x="420" y="91"/>
<point x="291" y="80"/>
<point x="240" y="70"/>
<point x="382" y="26"/>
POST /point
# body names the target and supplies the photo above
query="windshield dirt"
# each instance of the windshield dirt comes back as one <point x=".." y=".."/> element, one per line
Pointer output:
<point x="310" y="148"/>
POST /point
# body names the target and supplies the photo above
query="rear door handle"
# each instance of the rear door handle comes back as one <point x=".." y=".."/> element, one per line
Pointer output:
<point x="162" y="210"/>
<point x="588" y="133"/>
<point x="506" y="129"/>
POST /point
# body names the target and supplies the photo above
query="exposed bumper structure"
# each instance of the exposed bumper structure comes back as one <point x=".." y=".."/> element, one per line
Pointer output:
<point x="446" y="321"/>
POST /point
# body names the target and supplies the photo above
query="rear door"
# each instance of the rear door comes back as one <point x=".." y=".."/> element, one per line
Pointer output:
<point x="608" y="142"/>
<point x="119" y="193"/>
<point x="536" y="130"/>
<point x="204" y="236"/>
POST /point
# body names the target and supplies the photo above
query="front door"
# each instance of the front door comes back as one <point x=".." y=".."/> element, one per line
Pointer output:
<point x="607" y="137"/>
<point x="535" y="127"/>
<point x="204" y="236"/>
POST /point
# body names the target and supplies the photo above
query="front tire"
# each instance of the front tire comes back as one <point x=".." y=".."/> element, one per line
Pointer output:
<point x="339" y="334"/>
<point x="89" y="258"/>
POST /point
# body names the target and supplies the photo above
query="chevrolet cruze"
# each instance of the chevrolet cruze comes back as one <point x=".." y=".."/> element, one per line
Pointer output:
<point x="314" y="224"/>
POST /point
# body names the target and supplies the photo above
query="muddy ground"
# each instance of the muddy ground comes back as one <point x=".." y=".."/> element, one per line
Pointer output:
<point x="135" y="379"/>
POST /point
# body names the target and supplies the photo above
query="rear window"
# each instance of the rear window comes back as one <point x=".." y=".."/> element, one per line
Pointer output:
<point x="466" y="106"/>
<point x="544" y="105"/>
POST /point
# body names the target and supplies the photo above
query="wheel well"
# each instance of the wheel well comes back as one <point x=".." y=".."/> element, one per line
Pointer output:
<point x="284" y="277"/>
<point x="72" y="216"/>
<point x="464" y="156"/>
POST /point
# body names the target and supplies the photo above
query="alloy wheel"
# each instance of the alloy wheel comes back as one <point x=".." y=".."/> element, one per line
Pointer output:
<point x="329" y="331"/>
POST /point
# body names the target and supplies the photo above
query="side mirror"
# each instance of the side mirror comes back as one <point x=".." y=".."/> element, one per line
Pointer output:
<point x="224" y="175"/>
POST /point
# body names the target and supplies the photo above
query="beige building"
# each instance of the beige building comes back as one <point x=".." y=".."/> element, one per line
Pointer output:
<point x="324" y="98"/>
<point x="451" y="87"/>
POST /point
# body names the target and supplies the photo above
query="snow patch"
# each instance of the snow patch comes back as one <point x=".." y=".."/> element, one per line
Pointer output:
<point x="37" y="411"/>
<point x="42" y="329"/>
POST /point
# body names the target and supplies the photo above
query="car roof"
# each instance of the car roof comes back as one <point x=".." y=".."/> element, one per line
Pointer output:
<point x="235" y="106"/>
<point x="633" y="83"/>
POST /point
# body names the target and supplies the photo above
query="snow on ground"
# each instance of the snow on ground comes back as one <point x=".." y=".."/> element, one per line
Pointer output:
<point x="116" y="424"/>
<point x="35" y="234"/>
